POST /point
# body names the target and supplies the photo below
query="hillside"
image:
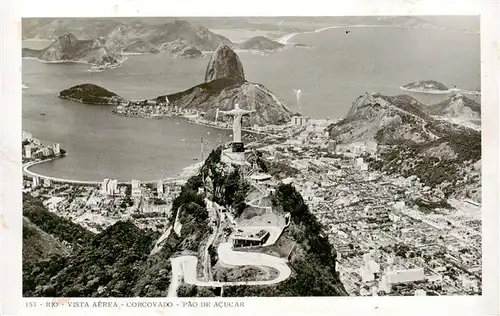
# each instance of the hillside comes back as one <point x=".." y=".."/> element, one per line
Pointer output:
<point x="457" y="106"/>
<point x="224" y="85"/>
<point x="261" y="43"/>
<point x="441" y="154"/>
<point x="39" y="245"/>
<point x="114" y="263"/>
<point x="67" y="48"/>
<point x="313" y="259"/>
<point x="374" y="117"/>
<point x="91" y="94"/>
<point x="119" y="261"/>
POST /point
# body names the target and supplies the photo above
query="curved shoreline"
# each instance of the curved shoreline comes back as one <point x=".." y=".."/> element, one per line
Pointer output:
<point x="27" y="172"/>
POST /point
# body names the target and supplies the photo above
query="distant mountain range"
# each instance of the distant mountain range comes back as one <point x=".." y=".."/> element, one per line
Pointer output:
<point x="178" y="38"/>
<point x="49" y="28"/>
<point x="68" y="48"/>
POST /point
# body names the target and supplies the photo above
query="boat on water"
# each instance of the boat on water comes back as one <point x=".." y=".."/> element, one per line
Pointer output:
<point x="42" y="114"/>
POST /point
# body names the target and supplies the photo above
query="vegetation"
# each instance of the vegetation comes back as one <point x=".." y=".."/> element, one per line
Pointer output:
<point x="88" y="93"/>
<point x="54" y="225"/>
<point x="108" y="265"/>
<point x="116" y="262"/>
<point x="427" y="85"/>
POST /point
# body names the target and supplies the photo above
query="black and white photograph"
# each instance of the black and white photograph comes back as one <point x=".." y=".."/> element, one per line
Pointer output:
<point x="257" y="156"/>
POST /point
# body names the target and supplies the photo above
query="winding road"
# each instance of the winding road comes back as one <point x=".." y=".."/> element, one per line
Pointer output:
<point x="184" y="268"/>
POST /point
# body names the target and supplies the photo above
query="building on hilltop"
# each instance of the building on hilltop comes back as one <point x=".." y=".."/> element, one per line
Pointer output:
<point x="243" y="238"/>
<point x="260" y="177"/>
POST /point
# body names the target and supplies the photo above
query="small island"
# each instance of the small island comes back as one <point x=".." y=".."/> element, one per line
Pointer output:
<point x="91" y="94"/>
<point x="261" y="43"/>
<point x="426" y="86"/>
<point x="301" y="45"/>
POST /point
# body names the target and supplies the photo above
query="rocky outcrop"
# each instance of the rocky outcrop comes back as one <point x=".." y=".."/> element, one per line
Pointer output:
<point x="457" y="106"/>
<point x="70" y="49"/>
<point x="261" y="43"/>
<point x="91" y="94"/>
<point x="224" y="86"/>
<point x="224" y="63"/>
<point x="181" y="49"/>
<point x="383" y="119"/>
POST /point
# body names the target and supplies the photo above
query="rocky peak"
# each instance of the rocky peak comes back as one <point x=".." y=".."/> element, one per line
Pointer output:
<point x="224" y="63"/>
<point x="67" y="39"/>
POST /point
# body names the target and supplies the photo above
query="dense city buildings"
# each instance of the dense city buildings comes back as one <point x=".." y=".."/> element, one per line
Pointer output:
<point x="386" y="243"/>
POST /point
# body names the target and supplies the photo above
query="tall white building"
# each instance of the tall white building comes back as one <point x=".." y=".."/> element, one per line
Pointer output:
<point x="159" y="187"/>
<point x="104" y="186"/>
<point x="45" y="151"/>
<point x="112" y="187"/>
<point x="136" y="188"/>
<point x="57" y="149"/>
<point x="27" y="151"/>
<point x="36" y="182"/>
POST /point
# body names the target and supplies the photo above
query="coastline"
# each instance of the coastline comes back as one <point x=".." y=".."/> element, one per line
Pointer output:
<point x="79" y="101"/>
<point x="26" y="172"/>
<point x="92" y="66"/>
<point x="188" y="119"/>
<point x="284" y="39"/>
<point x="441" y="92"/>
